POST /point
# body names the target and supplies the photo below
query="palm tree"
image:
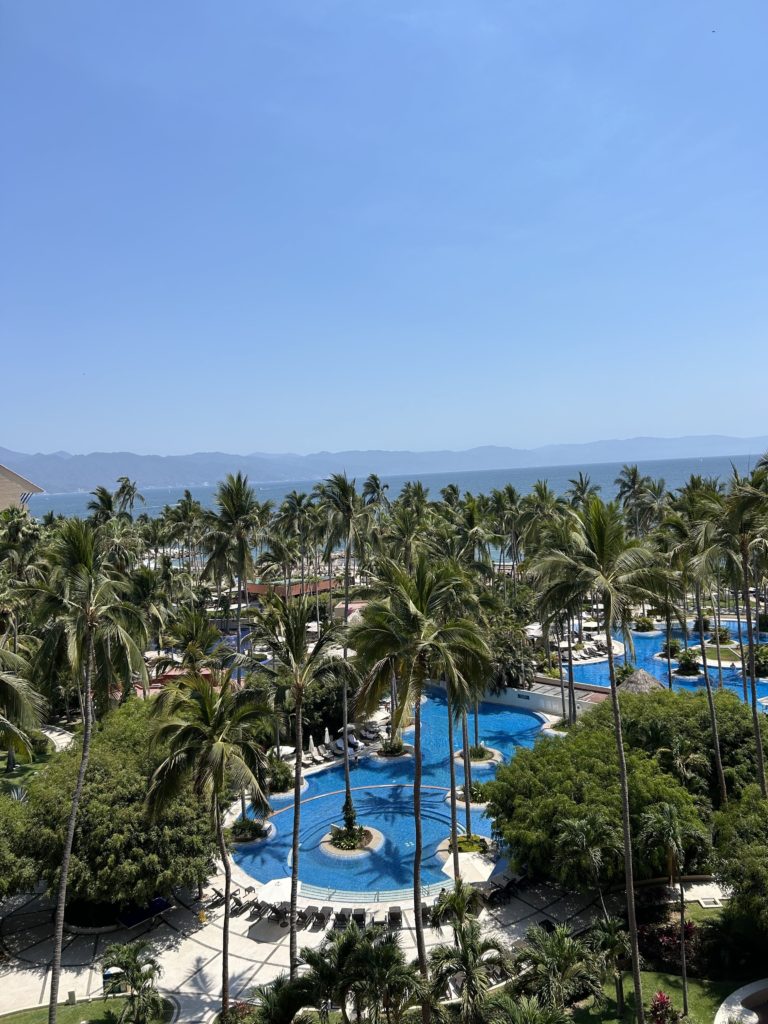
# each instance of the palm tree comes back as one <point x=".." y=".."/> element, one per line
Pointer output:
<point x="387" y="985"/>
<point x="622" y="572"/>
<point x="585" y="844"/>
<point x="280" y="1001"/>
<point x="610" y="940"/>
<point x="475" y="959"/>
<point x="21" y="706"/>
<point x="281" y="627"/>
<point x="348" y="521"/>
<point x="81" y="607"/>
<point x="457" y="906"/>
<point x="632" y="486"/>
<point x="559" y="967"/>
<point x="211" y="728"/>
<point x="666" y="836"/>
<point x="139" y="970"/>
<point x="503" y="1008"/>
<point x="581" y="490"/>
<point x="410" y="631"/>
<point x="334" y="968"/>
<point x="101" y="506"/>
<point x="197" y="641"/>
<point x="239" y="524"/>
<point x="126" y="495"/>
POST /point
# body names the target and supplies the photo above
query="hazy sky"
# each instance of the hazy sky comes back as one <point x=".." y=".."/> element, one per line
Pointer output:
<point x="381" y="223"/>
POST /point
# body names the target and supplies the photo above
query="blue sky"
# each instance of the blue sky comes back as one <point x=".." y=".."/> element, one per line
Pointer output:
<point x="312" y="225"/>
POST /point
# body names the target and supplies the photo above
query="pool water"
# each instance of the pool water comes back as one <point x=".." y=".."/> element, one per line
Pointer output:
<point x="383" y="795"/>
<point x="647" y="646"/>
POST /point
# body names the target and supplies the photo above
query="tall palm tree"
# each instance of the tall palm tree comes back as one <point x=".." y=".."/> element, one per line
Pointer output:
<point x="581" y="490"/>
<point x="586" y="843"/>
<point x="81" y="606"/>
<point x="211" y="727"/>
<point x="21" y="706"/>
<point x="558" y="965"/>
<point x="410" y="630"/>
<point x="632" y="486"/>
<point x="348" y="523"/>
<point x="140" y="970"/>
<point x="232" y="532"/>
<point x="622" y="572"/>
<point x="457" y="906"/>
<point x="281" y="628"/>
<point x="666" y="836"/>
<point x="126" y="495"/>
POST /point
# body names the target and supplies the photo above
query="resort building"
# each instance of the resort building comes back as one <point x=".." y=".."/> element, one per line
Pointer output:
<point x="15" y="490"/>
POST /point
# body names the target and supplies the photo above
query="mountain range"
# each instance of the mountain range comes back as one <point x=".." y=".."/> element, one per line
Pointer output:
<point x="63" y="472"/>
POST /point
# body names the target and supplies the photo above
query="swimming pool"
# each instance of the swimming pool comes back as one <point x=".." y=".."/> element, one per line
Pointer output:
<point x="647" y="646"/>
<point x="383" y="796"/>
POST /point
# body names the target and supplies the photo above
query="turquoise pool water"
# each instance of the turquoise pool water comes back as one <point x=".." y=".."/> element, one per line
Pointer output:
<point x="648" y="646"/>
<point x="383" y="797"/>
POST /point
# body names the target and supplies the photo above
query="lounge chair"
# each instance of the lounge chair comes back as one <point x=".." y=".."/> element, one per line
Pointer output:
<point x="343" y="917"/>
<point x="324" y="915"/>
<point x="426" y="914"/>
<point x="318" y="757"/>
<point x="395" y="917"/>
<point x="306" y="760"/>
<point x="358" y="916"/>
<point x="258" y="910"/>
<point x="307" y="915"/>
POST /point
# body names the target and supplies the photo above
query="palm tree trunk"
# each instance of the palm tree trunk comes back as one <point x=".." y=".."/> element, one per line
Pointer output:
<point x="421" y="948"/>
<point x="571" y="689"/>
<point x="710" y="702"/>
<point x="452" y="769"/>
<point x="66" y="856"/>
<point x="560" y="672"/>
<point x="717" y="642"/>
<point x="467" y="772"/>
<point x="619" y="982"/>
<point x="752" y="681"/>
<point x="295" y="845"/>
<point x="626" y="826"/>
<point x="227" y="890"/>
<point x="741" y="646"/>
<point x="683" y="964"/>
<point x="476" y="712"/>
<point x="669" y="654"/>
<point x="344" y="696"/>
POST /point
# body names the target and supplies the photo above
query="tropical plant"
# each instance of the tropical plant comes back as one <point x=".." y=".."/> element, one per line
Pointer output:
<point x="135" y="967"/>
<point x="210" y="726"/>
<point x="559" y="968"/>
<point x="476" y="960"/>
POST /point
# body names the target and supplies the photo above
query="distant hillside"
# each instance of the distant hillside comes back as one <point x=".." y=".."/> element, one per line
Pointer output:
<point x="60" y="471"/>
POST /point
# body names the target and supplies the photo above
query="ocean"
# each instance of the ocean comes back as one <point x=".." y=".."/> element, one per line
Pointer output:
<point x="674" y="472"/>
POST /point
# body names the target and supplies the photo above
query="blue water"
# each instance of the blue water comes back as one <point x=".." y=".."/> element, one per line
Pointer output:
<point x="647" y="646"/>
<point x="674" y="471"/>
<point x="383" y="797"/>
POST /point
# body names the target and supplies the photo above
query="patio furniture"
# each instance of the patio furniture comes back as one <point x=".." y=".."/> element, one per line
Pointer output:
<point x="343" y="917"/>
<point x="395" y="917"/>
<point x="324" y="915"/>
<point x="358" y="916"/>
<point x="307" y="915"/>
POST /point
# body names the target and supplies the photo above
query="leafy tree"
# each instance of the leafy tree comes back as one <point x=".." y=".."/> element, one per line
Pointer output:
<point x="559" y="967"/>
<point x="18" y="871"/>
<point x="741" y="841"/>
<point x="119" y="854"/>
<point x="473" y="957"/>
<point x="610" y="940"/>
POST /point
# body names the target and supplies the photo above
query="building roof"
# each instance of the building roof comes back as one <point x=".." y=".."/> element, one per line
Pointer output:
<point x="14" y="488"/>
<point x="640" y="682"/>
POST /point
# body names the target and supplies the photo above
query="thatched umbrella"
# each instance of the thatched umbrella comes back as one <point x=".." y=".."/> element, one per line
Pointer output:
<point x="640" y="682"/>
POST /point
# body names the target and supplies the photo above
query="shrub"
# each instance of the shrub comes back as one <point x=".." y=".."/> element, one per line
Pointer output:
<point x="762" y="621"/>
<point x="688" y="663"/>
<point x="40" y="743"/>
<point x="721" y="635"/>
<point x="702" y="625"/>
<point x="671" y="648"/>
<point x="246" y="829"/>
<point x="761" y="659"/>
<point x="348" y="838"/>
<point x="480" y="753"/>
<point x="280" y="775"/>
<point x="478" y="792"/>
<point x="644" y="624"/>
<point x="662" y="1011"/>
<point x="623" y="672"/>
<point x="392" y="747"/>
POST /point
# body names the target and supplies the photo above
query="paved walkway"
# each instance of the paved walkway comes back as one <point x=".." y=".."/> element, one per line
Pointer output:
<point x="190" y="949"/>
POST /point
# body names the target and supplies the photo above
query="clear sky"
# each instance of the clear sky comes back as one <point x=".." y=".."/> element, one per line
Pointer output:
<point x="324" y="224"/>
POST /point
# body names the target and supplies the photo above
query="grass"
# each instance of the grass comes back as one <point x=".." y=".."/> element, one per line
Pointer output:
<point x="100" y="1011"/>
<point x="704" y="998"/>
<point x="22" y="773"/>
<point x="695" y="912"/>
<point x="727" y="655"/>
<point x="472" y="844"/>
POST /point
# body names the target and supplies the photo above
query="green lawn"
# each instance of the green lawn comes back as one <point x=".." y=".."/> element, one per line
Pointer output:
<point x="695" y="912"/>
<point x="100" y="1011"/>
<point x="21" y="773"/>
<point x="704" y="998"/>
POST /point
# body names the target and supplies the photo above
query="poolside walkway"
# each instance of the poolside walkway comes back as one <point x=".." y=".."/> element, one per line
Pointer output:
<point x="190" y="950"/>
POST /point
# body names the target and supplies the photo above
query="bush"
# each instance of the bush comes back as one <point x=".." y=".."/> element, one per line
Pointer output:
<point x="662" y="1011"/>
<point x="702" y="625"/>
<point x="671" y="648"/>
<point x="280" y="775"/>
<point x="478" y="792"/>
<point x="761" y="659"/>
<point x="348" y="838"/>
<point x="721" y="635"/>
<point x="624" y="671"/>
<point x="480" y="753"/>
<point x="41" y="745"/>
<point x="644" y="624"/>
<point x="393" y="747"/>
<point x="247" y="829"/>
<point x="688" y="663"/>
<point x="762" y="621"/>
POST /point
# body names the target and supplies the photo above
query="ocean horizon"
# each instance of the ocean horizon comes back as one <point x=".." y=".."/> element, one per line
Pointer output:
<point x="674" y="472"/>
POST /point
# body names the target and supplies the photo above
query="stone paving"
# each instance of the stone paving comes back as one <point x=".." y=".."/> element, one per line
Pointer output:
<point x="190" y="950"/>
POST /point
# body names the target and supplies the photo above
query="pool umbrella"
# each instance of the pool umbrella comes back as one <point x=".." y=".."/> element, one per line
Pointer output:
<point x="474" y="867"/>
<point x="350" y="728"/>
<point x="327" y="737"/>
<point x="312" y="747"/>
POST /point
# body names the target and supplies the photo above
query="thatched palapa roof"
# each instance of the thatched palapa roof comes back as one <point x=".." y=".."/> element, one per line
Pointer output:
<point x="640" y="682"/>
